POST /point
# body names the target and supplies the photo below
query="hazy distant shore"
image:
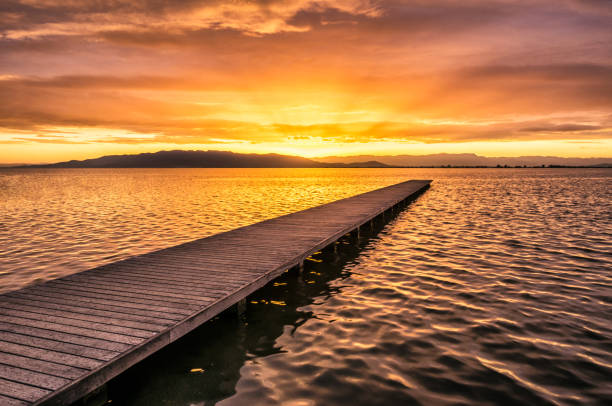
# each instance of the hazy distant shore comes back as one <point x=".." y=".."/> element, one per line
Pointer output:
<point x="225" y="159"/>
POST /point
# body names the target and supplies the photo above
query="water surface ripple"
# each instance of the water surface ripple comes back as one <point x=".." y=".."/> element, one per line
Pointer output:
<point x="54" y="222"/>
<point x="494" y="287"/>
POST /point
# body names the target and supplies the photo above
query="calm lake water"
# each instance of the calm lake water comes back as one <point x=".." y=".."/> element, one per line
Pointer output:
<point x="493" y="287"/>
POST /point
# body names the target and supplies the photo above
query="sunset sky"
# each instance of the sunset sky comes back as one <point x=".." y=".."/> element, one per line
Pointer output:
<point x="81" y="79"/>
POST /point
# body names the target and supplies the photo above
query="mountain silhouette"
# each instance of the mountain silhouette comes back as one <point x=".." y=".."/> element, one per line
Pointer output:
<point x="202" y="159"/>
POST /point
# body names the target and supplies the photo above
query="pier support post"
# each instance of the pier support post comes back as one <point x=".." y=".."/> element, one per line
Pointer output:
<point x="356" y="235"/>
<point x="334" y="251"/>
<point x="241" y="306"/>
<point x="98" y="397"/>
<point x="300" y="273"/>
<point x="331" y="248"/>
<point x="297" y="269"/>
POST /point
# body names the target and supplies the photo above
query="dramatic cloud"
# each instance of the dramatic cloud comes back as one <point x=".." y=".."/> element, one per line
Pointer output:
<point x="38" y="18"/>
<point x="302" y="74"/>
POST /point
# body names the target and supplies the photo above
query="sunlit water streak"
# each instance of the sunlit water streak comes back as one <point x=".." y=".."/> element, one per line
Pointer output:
<point x="57" y="222"/>
<point x="494" y="287"/>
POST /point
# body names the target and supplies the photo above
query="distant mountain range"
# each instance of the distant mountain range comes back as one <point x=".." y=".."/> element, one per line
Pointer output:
<point x="224" y="159"/>
<point x="438" y="160"/>
<point x="203" y="159"/>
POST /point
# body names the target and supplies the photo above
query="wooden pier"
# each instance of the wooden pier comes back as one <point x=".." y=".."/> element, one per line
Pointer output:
<point x="62" y="339"/>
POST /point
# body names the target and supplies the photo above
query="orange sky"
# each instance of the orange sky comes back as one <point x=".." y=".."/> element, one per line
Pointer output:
<point x="80" y="79"/>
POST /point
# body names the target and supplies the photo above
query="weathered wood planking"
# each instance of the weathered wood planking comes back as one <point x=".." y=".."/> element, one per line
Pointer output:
<point x="64" y="338"/>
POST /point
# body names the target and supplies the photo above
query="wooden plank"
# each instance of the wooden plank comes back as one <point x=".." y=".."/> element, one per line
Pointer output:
<point x="49" y="368"/>
<point x="169" y="298"/>
<point x="153" y="285"/>
<point x="59" y="346"/>
<point x="164" y="287"/>
<point x="117" y="300"/>
<point x="20" y="391"/>
<point x="193" y="270"/>
<point x="190" y="273"/>
<point x="51" y="356"/>
<point x="6" y="401"/>
<point x="198" y="279"/>
<point x="6" y="311"/>
<point x="145" y="300"/>
<point x="32" y="378"/>
<point x="217" y="262"/>
<point x="85" y="332"/>
<point x="97" y="305"/>
<point x="68" y="312"/>
<point x="61" y="339"/>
